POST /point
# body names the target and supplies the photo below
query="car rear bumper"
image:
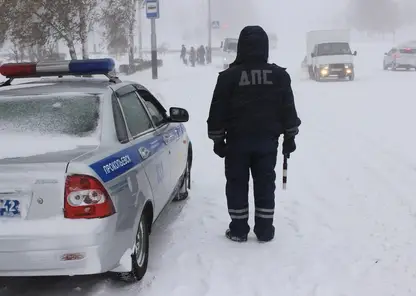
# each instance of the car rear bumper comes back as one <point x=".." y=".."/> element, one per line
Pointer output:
<point x="78" y="247"/>
<point x="405" y="62"/>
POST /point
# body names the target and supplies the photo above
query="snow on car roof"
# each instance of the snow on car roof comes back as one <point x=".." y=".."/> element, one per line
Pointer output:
<point x="58" y="85"/>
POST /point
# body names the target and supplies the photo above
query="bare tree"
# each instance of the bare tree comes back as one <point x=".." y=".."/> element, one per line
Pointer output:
<point x="68" y="20"/>
<point x="119" y="19"/>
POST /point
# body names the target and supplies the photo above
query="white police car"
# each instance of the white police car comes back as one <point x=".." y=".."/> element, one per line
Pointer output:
<point x="89" y="208"/>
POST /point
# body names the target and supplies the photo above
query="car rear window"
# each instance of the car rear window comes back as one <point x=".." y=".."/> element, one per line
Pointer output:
<point x="55" y="114"/>
<point x="408" y="50"/>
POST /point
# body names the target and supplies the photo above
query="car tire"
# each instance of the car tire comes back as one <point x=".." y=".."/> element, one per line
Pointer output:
<point x="385" y="67"/>
<point x="183" y="192"/>
<point x="140" y="256"/>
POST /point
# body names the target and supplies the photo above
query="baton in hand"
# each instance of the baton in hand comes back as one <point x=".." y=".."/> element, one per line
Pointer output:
<point x="284" y="181"/>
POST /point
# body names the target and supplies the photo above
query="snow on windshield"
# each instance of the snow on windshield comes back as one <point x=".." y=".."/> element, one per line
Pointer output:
<point x="47" y="123"/>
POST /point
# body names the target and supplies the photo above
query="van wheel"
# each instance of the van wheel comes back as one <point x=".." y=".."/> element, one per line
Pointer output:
<point x="317" y="76"/>
<point x="140" y="256"/>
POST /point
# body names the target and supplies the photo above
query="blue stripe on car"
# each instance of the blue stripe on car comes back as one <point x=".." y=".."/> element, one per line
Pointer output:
<point x="120" y="162"/>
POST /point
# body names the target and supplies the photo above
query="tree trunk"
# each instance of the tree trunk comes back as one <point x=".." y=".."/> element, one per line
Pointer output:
<point x="83" y="28"/>
<point x="71" y="47"/>
<point x="132" y="22"/>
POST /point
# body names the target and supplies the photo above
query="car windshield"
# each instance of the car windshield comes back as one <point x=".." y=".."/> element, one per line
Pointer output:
<point x="333" y="48"/>
<point x="75" y="115"/>
<point x="272" y="36"/>
<point x="231" y="46"/>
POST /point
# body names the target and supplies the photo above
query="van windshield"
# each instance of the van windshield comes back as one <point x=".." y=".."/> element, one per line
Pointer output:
<point x="333" y="48"/>
<point x="231" y="46"/>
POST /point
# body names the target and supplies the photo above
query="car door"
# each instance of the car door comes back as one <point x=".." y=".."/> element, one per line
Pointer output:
<point x="167" y="130"/>
<point x="146" y="143"/>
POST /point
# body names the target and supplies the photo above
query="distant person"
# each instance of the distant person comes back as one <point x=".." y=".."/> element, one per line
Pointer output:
<point x="201" y="55"/>
<point x="192" y="56"/>
<point x="252" y="106"/>
<point x="183" y="54"/>
<point x="208" y="55"/>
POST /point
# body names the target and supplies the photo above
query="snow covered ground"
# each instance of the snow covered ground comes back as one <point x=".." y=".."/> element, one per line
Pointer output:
<point x="346" y="226"/>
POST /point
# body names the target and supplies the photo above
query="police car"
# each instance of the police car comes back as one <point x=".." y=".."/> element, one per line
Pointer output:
<point x="87" y="209"/>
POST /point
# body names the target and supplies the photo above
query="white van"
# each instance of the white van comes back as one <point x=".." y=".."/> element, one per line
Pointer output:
<point x="228" y="51"/>
<point x="329" y="55"/>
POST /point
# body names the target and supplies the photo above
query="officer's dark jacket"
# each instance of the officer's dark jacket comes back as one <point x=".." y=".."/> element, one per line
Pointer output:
<point x="252" y="97"/>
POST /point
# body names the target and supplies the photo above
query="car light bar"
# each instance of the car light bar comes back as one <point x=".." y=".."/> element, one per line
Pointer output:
<point x="58" y="68"/>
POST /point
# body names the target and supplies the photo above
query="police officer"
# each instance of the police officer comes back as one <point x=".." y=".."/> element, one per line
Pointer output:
<point x="252" y="106"/>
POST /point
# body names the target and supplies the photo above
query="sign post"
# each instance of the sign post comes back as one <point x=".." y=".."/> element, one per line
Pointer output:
<point x="152" y="13"/>
<point x="209" y="33"/>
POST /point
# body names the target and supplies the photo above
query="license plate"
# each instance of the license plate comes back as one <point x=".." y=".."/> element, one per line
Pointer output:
<point x="337" y="70"/>
<point x="9" y="208"/>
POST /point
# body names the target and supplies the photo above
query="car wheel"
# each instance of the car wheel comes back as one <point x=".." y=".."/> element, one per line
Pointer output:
<point x="385" y="67"/>
<point x="140" y="256"/>
<point x="183" y="192"/>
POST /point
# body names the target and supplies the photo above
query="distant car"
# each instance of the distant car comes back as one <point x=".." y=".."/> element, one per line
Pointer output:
<point x="400" y="57"/>
<point x="228" y="51"/>
<point x="272" y="40"/>
<point x="90" y="209"/>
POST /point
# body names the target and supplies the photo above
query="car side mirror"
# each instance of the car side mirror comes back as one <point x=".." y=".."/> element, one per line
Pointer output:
<point x="312" y="55"/>
<point x="178" y="114"/>
<point x="355" y="53"/>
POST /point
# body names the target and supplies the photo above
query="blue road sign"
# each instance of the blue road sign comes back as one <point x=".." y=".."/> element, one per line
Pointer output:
<point x="152" y="9"/>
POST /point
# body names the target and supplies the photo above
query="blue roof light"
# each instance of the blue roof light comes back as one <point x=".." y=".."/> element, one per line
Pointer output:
<point x="93" y="66"/>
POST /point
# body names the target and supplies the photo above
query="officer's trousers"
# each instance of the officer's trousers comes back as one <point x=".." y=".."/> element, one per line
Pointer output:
<point x="258" y="156"/>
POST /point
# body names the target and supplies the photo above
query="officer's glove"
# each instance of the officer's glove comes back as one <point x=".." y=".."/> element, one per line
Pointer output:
<point x="220" y="148"/>
<point x="289" y="145"/>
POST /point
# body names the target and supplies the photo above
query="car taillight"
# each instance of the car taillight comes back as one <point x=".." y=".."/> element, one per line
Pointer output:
<point x="86" y="198"/>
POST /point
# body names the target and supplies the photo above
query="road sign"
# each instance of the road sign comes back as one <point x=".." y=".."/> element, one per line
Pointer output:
<point x="215" y="24"/>
<point x="152" y="9"/>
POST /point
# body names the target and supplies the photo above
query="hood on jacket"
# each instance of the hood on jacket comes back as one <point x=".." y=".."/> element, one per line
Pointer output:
<point x="253" y="46"/>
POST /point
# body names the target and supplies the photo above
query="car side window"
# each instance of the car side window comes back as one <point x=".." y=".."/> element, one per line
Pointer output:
<point x="157" y="114"/>
<point x="136" y="116"/>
